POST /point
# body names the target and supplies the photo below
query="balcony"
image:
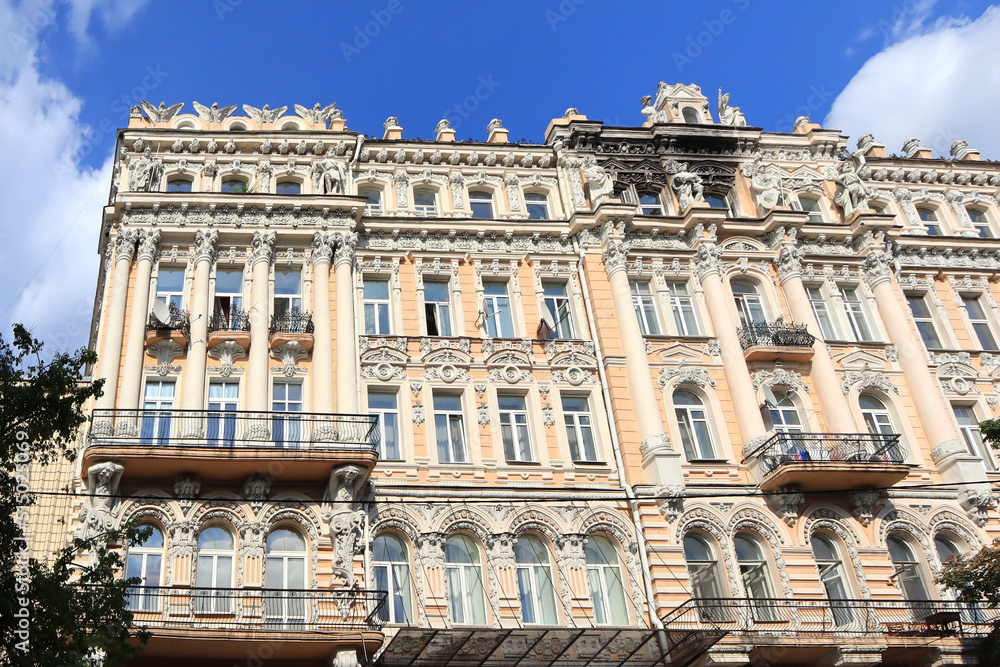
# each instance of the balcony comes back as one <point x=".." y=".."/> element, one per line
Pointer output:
<point x="234" y="326"/>
<point x="828" y="461"/>
<point x="304" y="626"/>
<point x="292" y="326"/>
<point x="776" y="340"/>
<point x="176" y="328"/>
<point x="230" y="445"/>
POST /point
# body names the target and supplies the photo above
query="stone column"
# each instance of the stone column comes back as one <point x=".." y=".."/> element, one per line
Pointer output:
<point x="261" y="255"/>
<point x="659" y="459"/>
<point x="947" y="449"/>
<point x="347" y="366"/>
<point x="149" y="242"/>
<point x="322" y="379"/>
<point x="114" y="323"/>
<point x="746" y="406"/>
<point x="194" y="370"/>
<point x="836" y="411"/>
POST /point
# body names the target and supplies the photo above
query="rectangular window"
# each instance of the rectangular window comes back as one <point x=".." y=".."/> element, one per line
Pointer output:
<point x="683" y="309"/>
<point x="855" y="312"/>
<point x="579" y="428"/>
<point x="286" y="397"/>
<point x="821" y="311"/>
<point x="558" y="304"/>
<point x="376" y="293"/>
<point x="537" y="205"/>
<point x="228" y="297"/>
<point x="496" y="305"/>
<point x="449" y="429"/>
<point x="382" y="404"/>
<point x="223" y="397"/>
<point x="924" y="320"/>
<point x="437" y="307"/>
<point x="374" y="197"/>
<point x="645" y="308"/>
<point x="980" y="323"/>
<point x="811" y="206"/>
<point x="969" y="425"/>
<point x="514" y="428"/>
<point x="170" y="287"/>
<point x="424" y="203"/>
<point x="287" y="293"/>
<point x="157" y="411"/>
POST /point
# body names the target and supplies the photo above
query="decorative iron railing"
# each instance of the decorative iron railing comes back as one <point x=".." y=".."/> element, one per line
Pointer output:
<point x="775" y="334"/>
<point x="178" y="320"/>
<point x="858" y="448"/>
<point x="256" y="610"/>
<point x="294" y="321"/>
<point x="234" y="320"/>
<point x="859" y="618"/>
<point x="232" y="428"/>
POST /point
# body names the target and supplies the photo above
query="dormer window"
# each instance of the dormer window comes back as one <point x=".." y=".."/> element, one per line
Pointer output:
<point x="179" y="185"/>
<point x="289" y="188"/>
<point x="237" y="127"/>
<point x="650" y="203"/>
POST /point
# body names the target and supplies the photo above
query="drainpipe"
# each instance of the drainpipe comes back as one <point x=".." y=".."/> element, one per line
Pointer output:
<point x="629" y="493"/>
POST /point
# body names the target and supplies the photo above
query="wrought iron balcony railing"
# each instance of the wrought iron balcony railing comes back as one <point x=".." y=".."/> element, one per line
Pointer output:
<point x="775" y="334"/>
<point x="858" y="448"/>
<point x="179" y="320"/>
<point x="256" y="610"/>
<point x="234" y="320"/>
<point x="232" y="428"/>
<point x="294" y="321"/>
<point x="842" y="618"/>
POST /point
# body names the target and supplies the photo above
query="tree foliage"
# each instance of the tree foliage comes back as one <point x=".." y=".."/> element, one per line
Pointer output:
<point x="53" y="614"/>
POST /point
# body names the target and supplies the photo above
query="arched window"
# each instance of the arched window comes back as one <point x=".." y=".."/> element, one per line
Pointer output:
<point x="876" y="415"/>
<point x="537" y="205"/>
<point x="909" y="572"/>
<point x="706" y="579"/>
<point x="374" y="197"/>
<point x="481" y="204"/>
<point x="981" y="222"/>
<point x="834" y="578"/>
<point x="288" y="188"/>
<point x="691" y="115"/>
<point x="145" y="562"/>
<point x="650" y="203"/>
<point x="465" y="581"/>
<point x="748" y="303"/>
<point x="179" y="185"/>
<point x="425" y="202"/>
<point x="234" y="185"/>
<point x="534" y="581"/>
<point x="947" y="547"/>
<point x="605" y="578"/>
<point x="237" y="127"/>
<point x="215" y="570"/>
<point x="392" y="574"/>
<point x="785" y="416"/>
<point x="930" y="219"/>
<point x="185" y="125"/>
<point x="692" y="420"/>
<point x="285" y="578"/>
<point x="290" y="125"/>
<point x="755" y="577"/>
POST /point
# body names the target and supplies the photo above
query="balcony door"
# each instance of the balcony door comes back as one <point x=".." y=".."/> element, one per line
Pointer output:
<point x="285" y="580"/>
<point x="214" y="579"/>
<point x="223" y="397"/>
<point x="748" y="303"/>
<point x="145" y="563"/>
<point x="228" y="299"/>
<point x="157" y="407"/>
<point x="286" y="429"/>
<point x="909" y="575"/>
<point x="834" y="578"/>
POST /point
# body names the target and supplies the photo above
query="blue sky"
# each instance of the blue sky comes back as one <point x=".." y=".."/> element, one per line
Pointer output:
<point x="897" y="69"/>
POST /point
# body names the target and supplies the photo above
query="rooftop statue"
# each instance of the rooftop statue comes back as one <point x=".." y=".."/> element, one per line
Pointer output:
<point x="265" y="115"/>
<point x="730" y="115"/>
<point x="160" y="114"/>
<point x="317" y="115"/>
<point x="214" y="114"/>
<point x="650" y="112"/>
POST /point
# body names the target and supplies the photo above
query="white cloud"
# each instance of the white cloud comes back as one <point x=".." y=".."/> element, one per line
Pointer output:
<point x="938" y="86"/>
<point x="52" y="204"/>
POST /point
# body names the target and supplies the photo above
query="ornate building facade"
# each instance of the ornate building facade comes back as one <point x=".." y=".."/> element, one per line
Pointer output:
<point x="685" y="392"/>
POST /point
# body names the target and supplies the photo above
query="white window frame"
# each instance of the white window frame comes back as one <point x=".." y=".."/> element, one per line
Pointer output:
<point x="173" y="298"/>
<point x="294" y="300"/>
<point x="463" y="597"/>
<point x="380" y="414"/>
<point x="744" y="302"/>
<point x="689" y="420"/>
<point x="451" y="416"/>
<point x="516" y="421"/>
<point x="437" y="307"/>
<point x="378" y="304"/>
<point x="604" y="614"/>
<point x="285" y="182"/>
<point x="855" y="313"/>
<point x="491" y="200"/>
<point x="580" y="422"/>
<point x="396" y="588"/>
<point x="542" y="204"/>
<point x="564" y="326"/>
<point x="235" y="298"/>
<point x="931" y="318"/>
<point x="820" y="304"/>
<point x="640" y="304"/>
<point x="972" y="436"/>
<point x="981" y="321"/>
<point x="492" y="310"/>
<point x="650" y="209"/>
<point x="817" y="214"/>
<point x="425" y="210"/>
<point x="140" y="599"/>
<point x="680" y="304"/>
<point x="933" y="220"/>
<point x="984" y="225"/>
<point x="537" y="578"/>
<point x="372" y="208"/>
<point x="219" y="602"/>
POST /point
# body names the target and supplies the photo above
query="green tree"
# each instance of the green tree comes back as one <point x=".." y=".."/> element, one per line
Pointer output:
<point x="53" y="614"/>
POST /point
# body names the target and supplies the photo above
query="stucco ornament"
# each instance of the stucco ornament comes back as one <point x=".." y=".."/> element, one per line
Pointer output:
<point x="730" y="115"/>
<point x="688" y="188"/>
<point x="214" y="114"/>
<point x="345" y="520"/>
<point x="671" y="501"/>
<point x="329" y="176"/>
<point x="864" y="505"/>
<point x="912" y="146"/>
<point x="227" y="352"/>
<point x="765" y="180"/>
<point x="144" y="174"/>
<point x="255" y="489"/>
<point x="960" y="150"/>
<point x="788" y="501"/>
<point x="978" y="503"/>
<point x="600" y="184"/>
<point x="853" y="195"/>
<point x="162" y="113"/>
<point x="650" y="112"/>
<point x="615" y="255"/>
<point x="101" y="504"/>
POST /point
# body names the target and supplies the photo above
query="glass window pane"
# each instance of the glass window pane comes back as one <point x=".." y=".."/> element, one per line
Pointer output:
<point x="287" y="282"/>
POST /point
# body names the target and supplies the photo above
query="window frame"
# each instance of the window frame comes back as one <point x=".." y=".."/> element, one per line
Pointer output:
<point x="983" y="321"/>
<point x="743" y="301"/>
<point x="856" y="314"/>
<point x="376" y="208"/>
<point x="285" y="183"/>
<point x="175" y="180"/>
<point x="146" y="596"/>
<point x="381" y="413"/>
<point x="454" y="417"/>
<point x="174" y="299"/>
<point x="972" y="436"/>
<point x="641" y="303"/>
<point x="221" y="313"/>
<point x="534" y="199"/>
<point x="930" y="319"/>
<point x="683" y="308"/>
<point x="929" y="214"/>
<point x="694" y="448"/>
<point x="492" y="300"/>
<point x="843" y="614"/>
<point x="476" y="200"/>
<point x="657" y="208"/>
<point x="604" y="610"/>
<point x="815" y="215"/>
<point x="981" y="222"/>
<point x="533" y="572"/>
<point x="820" y="304"/>
<point x="552" y="303"/>
<point x="396" y="589"/>
<point x="425" y="210"/>
<point x="293" y="299"/>
<point x="517" y="422"/>
<point x="435" y="307"/>
<point x="572" y="423"/>
<point x="381" y="306"/>
<point x="205" y="602"/>
<point x="461" y="599"/>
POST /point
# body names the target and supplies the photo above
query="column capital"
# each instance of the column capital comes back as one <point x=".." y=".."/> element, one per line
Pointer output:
<point x="708" y="261"/>
<point x="262" y="248"/>
<point x="344" y="252"/>
<point x="149" y="243"/>
<point x="615" y="255"/>
<point x="877" y="267"/>
<point x="125" y="244"/>
<point x="204" y="245"/>
<point x="322" y="248"/>
<point x="789" y="262"/>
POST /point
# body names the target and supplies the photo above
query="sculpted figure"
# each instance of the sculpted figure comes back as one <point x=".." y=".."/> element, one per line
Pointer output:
<point x="317" y="115"/>
<point x="330" y="176"/>
<point x="265" y="115"/>
<point x="601" y="185"/>
<point x="688" y="188"/>
<point x="730" y="115"/>
<point x="854" y="194"/>
<point x="650" y="112"/>
<point x="145" y="173"/>
<point x="214" y="114"/>
<point x="160" y="114"/>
